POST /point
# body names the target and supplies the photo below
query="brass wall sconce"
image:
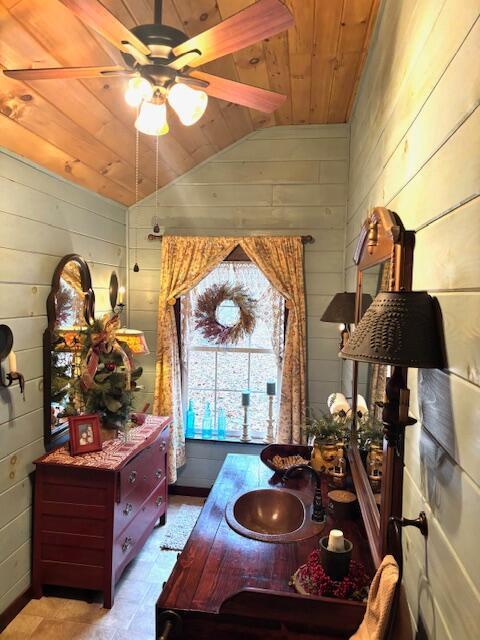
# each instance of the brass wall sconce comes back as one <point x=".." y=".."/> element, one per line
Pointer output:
<point x="116" y="294"/>
<point x="341" y="310"/>
<point x="6" y="351"/>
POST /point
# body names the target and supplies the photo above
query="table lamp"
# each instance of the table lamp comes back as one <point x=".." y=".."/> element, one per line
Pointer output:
<point x="341" y="310"/>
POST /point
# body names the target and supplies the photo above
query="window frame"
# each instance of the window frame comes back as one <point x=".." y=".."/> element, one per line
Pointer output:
<point x="237" y="255"/>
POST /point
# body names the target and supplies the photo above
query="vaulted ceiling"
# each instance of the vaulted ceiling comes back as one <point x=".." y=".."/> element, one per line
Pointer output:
<point x="83" y="129"/>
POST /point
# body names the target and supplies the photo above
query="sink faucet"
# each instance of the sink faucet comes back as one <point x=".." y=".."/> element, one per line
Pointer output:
<point x="318" y="513"/>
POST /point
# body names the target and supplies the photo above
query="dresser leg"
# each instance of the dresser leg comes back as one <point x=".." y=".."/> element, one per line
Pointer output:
<point x="108" y="594"/>
<point x="37" y="590"/>
<point x="37" y="586"/>
<point x="162" y="520"/>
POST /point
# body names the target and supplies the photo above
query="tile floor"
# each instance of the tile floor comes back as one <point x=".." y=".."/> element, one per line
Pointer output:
<point x="133" y="615"/>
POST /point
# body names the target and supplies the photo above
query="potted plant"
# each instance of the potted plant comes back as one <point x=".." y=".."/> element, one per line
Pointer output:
<point x="370" y="444"/>
<point x="326" y="432"/>
<point x="369" y="432"/>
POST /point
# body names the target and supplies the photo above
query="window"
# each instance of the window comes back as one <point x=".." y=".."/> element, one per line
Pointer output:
<point x="218" y="374"/>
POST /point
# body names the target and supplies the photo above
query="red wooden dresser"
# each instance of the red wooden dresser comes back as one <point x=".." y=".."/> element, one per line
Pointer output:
<point x="94" y="512"/>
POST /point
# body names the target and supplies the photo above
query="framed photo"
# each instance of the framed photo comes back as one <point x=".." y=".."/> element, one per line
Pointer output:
<point x="84" y="434"/>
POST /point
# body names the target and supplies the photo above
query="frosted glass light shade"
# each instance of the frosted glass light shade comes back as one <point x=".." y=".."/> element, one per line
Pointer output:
<point x="152" y="119"/>
<point x="138" y="89"/>
<point x="189" y="104"/>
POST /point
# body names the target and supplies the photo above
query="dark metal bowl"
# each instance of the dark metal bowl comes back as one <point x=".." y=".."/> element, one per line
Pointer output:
<point x="283" y="450"/>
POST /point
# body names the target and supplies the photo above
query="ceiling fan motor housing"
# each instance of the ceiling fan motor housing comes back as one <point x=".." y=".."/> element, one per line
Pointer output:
<point x="160" y="39"/>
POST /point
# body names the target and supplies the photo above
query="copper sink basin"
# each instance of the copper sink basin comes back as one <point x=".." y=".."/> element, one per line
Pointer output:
<point x="272" y="515"/>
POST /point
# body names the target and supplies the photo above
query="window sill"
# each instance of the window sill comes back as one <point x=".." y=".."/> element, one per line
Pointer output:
<point x="228" y="439"/>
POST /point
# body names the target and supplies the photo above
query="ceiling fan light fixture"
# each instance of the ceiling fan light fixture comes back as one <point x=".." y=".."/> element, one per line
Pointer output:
<point x="189" y="104"/>
<point x="152" y="118"/>
<point x="138" y="89"/>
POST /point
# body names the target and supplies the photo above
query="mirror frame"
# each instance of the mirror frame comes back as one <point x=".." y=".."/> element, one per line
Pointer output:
<point x="382" y="237"/>
<point x="50" y="440"/>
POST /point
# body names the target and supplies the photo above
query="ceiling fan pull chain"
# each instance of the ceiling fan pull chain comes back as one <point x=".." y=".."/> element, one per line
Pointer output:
<point x="156" y="179"/>
<point x="137" y="135"/>
<point x="136" y="268"/>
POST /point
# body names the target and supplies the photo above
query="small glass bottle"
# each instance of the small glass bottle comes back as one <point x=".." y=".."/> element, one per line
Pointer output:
<point x="221" y="424"/>
<point x="207" y="423"/>
<point x="190" y="421"/>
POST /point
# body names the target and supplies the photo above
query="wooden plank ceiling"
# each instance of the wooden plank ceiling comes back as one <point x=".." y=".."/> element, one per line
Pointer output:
<point x="83" y="129"/>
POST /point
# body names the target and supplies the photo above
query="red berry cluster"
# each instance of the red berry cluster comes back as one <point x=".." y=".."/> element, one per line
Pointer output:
<point x="316" y="582"/>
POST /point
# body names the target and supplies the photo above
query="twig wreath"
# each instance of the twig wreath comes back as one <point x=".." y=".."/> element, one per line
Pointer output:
<point x="206" y="314"/>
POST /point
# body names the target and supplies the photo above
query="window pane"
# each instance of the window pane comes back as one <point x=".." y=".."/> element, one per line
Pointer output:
<point x="263" y="367"/>
<point x="200" y="398"/>
<point x="258" y="414"/>
<point x="201" y="370"/>
<point x="231" y="402"/>
<point x="232" y="370"/>
<point x="237" y="368"/>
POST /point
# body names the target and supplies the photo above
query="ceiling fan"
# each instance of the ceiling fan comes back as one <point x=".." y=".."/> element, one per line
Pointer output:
<point x="161" y="61"/>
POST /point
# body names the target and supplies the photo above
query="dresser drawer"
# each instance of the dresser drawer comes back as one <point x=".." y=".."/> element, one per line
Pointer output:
<point x="146" y="470"/>
<point x="132" y="537"/>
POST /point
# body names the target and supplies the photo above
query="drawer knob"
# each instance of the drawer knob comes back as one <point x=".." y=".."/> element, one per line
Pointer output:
<point x="162" y="446"/>
<point x="158" y="473"/>
<point x="128" y="509"/>
<point x="127" y="543"/>
<point x="158" y="501"/>
<point x="132" y="477"/>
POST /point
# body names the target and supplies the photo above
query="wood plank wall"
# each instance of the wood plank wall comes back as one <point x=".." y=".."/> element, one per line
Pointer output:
<point x="282" y="180"/>
<point x="415" y="140"/>
<point x="42" y="218"/>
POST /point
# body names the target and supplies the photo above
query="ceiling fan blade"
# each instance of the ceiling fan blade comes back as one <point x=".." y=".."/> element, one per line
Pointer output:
<point x="95" y="15"/>
<point x="244" y="94"/>
<point x="261" y="20"/>
<point x="56" y="73"/>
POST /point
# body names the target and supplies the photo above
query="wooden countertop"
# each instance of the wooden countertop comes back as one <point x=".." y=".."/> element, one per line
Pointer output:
<point x="217" y="562"/>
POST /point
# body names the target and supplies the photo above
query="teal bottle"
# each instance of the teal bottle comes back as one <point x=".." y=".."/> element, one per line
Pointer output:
<point x="207" y="423"/>
<point x="190" y="421"/>
<point x="221" y="424"/>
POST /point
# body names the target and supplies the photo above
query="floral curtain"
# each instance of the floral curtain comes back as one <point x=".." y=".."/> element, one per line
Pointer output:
<point x="186" y="261"/>
<point x="281" y="260"/>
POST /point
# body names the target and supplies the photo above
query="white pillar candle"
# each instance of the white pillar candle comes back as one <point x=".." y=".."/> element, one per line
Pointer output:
<point x="12" y="362"/>
<point x="362" y="405"/>
<point x="336" y="541"/>
<point x="335" y="397"/>
<point x="121" y="295"/>
<point x="338" y="403"/>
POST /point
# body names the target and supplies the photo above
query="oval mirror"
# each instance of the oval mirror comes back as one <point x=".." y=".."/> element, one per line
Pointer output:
<point x="70" y="311"/>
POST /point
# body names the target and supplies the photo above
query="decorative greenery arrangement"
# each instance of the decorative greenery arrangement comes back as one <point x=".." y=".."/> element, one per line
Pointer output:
<point x="109" y="390"/>
<point x="326" y="427"/>
<point x="369" y="431"/>
<point x="60" y="378"/>
<point x="207" y="319"/>
<point x="313" y="579"/>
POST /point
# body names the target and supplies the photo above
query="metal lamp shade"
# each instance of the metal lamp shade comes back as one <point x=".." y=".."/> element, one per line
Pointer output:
<point x="399" y="328"/>
<point x="342" y="307"/>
